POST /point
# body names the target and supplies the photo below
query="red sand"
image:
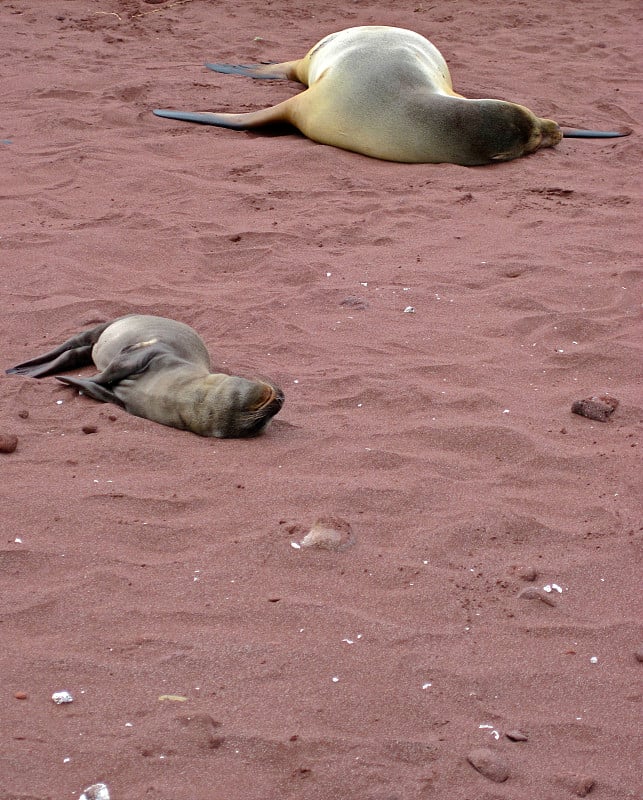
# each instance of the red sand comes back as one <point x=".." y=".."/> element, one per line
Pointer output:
<point x="142" y="561"/>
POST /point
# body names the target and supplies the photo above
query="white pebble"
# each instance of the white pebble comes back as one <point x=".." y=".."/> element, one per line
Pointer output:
<point x="96" y="792"/>
<point x="62" y="697"/>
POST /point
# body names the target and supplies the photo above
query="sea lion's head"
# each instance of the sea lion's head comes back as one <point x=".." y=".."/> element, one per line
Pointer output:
<point x="510" y="130"/>
<point x="233" y="407"/>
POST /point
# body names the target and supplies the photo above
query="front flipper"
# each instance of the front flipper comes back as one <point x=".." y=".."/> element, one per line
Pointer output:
<point x="131" y="361"/>
<point x="75" y="352"/>
<point x="89" y="387"/>
<point x="581" y="133"/>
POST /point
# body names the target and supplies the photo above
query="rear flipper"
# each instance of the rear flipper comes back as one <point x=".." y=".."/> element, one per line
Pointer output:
<point x="239" y="122"/>
<point x="75" y="352"/>
<point x="283" y="71"/>
<point x="203" y="118"/>
<point x="581" y="133"/>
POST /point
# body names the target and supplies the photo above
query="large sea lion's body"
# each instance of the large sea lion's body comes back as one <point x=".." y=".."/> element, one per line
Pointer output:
<point x="387" y="93"/>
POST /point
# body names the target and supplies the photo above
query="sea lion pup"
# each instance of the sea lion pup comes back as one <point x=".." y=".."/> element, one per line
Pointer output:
<point x="387" y="93"/>
<point x="159" y="369"/>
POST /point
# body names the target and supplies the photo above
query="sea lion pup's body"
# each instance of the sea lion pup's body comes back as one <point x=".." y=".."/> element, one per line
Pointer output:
<point x="159" y="369"/>
<point x="387" y="93"/>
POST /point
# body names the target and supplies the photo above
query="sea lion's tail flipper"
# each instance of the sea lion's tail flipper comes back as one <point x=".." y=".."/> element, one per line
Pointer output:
<point x="283" y="71"/>
<point x="75" y="352"/>
<point x="581" y="133"/>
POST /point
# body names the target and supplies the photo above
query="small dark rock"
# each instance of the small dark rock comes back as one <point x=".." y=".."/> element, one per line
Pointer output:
<point x="639" y="654"/>
<point x="23" y="414"/>
<point x="597" y="407"/>
<point x="89" y="429"/>
<point x="8" y="442"/>
<point x="516" y="736"/>
<point x="489" y="764"/>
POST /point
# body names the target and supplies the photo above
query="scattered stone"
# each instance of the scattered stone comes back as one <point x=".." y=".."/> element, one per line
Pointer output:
<point x="354" y="302"/>
<point x="489" y="764"/>
<point x="517" y="736"/>
<point x="527" y="573"/>
<point x="597" y="407"/>
<point x="580" y="785"/>
<point x="98" y="791"/>
<point x="534" y="593"/>
<point x="24" y="414"/>
<point x="172" y="698"/>
<point x="89" y="429"/>
<point x="21" y="695"/>
<point x="328" y="533"/>
<point x="8" y="442"/>
<point x="639" y="654"/>
<point x="62" y="697"/>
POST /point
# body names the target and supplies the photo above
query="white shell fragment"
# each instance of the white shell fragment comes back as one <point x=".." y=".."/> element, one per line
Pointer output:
<point x="98" y="791"/>
<point x="409" y="310"/>
<point x="62" y="697"/>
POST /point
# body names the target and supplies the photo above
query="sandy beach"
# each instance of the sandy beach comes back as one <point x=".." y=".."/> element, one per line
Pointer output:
<point x="430" y="326"/>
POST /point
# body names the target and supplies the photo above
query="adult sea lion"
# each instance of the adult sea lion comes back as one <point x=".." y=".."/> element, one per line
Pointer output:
<point x="159" y="369"/>
<point x="387" y="93"/>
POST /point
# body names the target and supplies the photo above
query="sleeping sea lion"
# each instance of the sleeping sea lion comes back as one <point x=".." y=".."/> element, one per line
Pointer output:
<point x="387" y="93"/>
<point x="159" y="369"/>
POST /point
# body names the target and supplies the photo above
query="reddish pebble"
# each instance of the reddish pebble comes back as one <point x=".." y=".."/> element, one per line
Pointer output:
<point x="21" y="695"/>
<point x="583" y="786"/>
<point x="8" y="442"/>
<point x="24" y="414"/>
<point x="516" y="736"/>
<point x="598" y="407"/>
<point x="489" y="764"/>
<point x="580" y="785"/>
<point x="639" y="654"/>
<point x="354" y="302"/>
<point x="89" y="429"/>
